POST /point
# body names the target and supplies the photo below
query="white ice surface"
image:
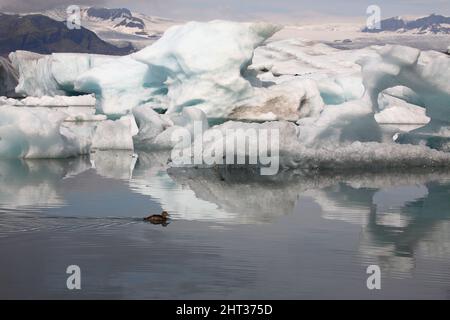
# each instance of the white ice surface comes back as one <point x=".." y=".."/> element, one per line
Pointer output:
<point x="35" y="133"/>
<point x="115" y="135"/>
<point x="51" y="101"/>
<point x="54" y="74"/>
<point x="332" y="94"/>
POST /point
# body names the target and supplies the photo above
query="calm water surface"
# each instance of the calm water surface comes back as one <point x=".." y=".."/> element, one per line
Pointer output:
<point x="234" y="234"/>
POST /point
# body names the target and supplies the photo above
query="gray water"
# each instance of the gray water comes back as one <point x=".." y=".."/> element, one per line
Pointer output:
<point x="233" y="235"/>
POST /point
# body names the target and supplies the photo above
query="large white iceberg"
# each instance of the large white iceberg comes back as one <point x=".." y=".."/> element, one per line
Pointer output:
<point x="119" y="85"/>
<point x="333" y="98"/>
<point x="197" y="64"/>
<point x="201" y="64"/>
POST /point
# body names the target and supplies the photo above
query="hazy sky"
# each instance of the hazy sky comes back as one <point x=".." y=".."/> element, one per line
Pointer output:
<point x="291" y="10"/>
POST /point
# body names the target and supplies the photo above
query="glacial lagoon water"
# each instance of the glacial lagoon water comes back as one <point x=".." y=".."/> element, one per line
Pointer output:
<point x="233" y="235"/>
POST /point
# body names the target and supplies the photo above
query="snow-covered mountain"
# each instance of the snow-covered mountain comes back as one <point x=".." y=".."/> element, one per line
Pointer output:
<point x="432" y="24"/>
<point x="41" y="34"/>
<point x="119" y="26"/>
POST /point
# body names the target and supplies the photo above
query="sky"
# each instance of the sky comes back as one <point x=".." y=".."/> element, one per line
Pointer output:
<point x="270" y="10"/>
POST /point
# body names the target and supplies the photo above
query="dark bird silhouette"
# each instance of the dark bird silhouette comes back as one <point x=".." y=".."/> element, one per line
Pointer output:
<point x="162" y="218"/>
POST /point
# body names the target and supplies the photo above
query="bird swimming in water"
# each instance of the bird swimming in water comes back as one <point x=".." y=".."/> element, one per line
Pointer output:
<point x="162" y="218"/>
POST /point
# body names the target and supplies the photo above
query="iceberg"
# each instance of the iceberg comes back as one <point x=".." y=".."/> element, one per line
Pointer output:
<point x="325" y="103"/>
<point x="119" y="85"/>
<point x="398" y="111"/>
<point x="33" y="132"/>
<point x="201" y="64"/>
<point x="196" y="64"/>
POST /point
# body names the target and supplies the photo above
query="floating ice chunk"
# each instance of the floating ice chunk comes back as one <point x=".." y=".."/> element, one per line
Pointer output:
<point x="115" y="135"/>
<point x="34" y="74"/>
<point x="54" y="74"/>
<point x="397" y="111"/>
<point x="119" y="85"/>
<point x="35" y="133"/>
<point x="123" y="83"/>
<point x="200" y="64"/>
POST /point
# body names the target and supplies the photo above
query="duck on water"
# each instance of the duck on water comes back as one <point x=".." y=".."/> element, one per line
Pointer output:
<point x="162" y="218"/>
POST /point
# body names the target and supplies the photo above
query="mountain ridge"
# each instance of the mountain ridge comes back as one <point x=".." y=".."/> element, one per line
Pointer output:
<point x="41" y="34"/>
<point x="118" y="26"/>
<point x="431" y="24"/>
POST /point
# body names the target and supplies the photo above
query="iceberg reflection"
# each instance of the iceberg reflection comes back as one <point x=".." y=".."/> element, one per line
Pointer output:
<point x="31" y="184"/>
<point x="401" y="214"/>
